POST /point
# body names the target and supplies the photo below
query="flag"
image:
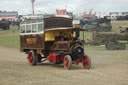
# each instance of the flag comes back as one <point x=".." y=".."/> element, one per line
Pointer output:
<point x="61" y="12"/>
<point x="69" y="13"/>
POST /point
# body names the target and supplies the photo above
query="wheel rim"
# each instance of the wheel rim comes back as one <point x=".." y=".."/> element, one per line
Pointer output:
<point x="66" y="62"/>
<point x="30" y="58"/>
<point x="85" y="62"/>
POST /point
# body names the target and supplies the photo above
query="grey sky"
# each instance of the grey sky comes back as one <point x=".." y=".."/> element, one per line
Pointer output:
<point x="49" y="6"/>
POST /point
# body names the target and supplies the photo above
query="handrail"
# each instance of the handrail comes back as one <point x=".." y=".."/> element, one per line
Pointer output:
<point x="31" y="23"/>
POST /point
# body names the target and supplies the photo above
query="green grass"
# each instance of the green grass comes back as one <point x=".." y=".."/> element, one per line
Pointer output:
<point x="117" y="24"/>
<point x="10" y="39"/>
<point x="115" y="29"/>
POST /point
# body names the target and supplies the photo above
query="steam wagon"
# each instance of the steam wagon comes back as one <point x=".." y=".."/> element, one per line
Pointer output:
<point x="55" y="39"/>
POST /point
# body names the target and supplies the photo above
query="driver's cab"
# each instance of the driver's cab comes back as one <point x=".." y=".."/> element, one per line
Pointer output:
<point x="59" y="39"/>
<point x="60" y="33"/>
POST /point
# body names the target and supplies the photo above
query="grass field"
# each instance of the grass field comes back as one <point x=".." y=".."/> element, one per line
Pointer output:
<point x="108" y="67"/>
<point x="115" y="29"/>
<point x="117" y="24"/>
<point x="10" y="38"/>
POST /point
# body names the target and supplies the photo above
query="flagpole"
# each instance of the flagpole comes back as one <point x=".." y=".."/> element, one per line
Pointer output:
<point x="33" y="6"/>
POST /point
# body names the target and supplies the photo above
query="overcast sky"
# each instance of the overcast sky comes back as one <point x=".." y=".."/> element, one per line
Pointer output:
<point x="76" y="6"/>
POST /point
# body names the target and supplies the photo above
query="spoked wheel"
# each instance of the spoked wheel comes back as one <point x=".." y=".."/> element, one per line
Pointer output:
<point x="86" y="62"/>
<point x="67" y="62"/>
<point x="32" y="59"/>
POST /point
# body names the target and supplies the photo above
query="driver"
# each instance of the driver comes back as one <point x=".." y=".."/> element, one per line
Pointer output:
<point x="61" y="36"/>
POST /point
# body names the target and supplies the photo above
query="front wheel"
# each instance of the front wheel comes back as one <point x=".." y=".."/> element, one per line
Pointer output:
<point x="32" y="58"/>
<point x="67" y="62"/>
<point x="86" y="62"/>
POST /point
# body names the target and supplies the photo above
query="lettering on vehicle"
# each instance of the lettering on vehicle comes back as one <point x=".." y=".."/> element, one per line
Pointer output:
<point x="31" y="40"/>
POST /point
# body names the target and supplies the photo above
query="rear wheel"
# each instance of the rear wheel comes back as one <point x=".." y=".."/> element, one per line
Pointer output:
<point x="67" y="62"/>
<point x="86" y="62"/>
<point x="32" y="59"/>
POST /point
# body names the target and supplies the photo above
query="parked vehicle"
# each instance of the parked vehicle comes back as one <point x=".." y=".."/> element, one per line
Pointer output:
<point x="54" y="39"/>
<point x="112" y="41"/>
<point x="4" y="24"/>
<point x="98" y="25"/>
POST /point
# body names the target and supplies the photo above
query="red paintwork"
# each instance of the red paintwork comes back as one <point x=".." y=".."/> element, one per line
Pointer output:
<point x="82" y="59"/>
<point x="66" y="62"/>
<point x="76" y="62"/>
<point x="62" y="57"/>
<point x="53" y="57"/>
<point x="57" y="57"/>
<point x="30" y="58"/>
<point x="85" y="62"/>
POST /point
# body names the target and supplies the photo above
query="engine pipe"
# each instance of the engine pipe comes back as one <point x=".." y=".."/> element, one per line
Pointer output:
<point x="77" y="33"/>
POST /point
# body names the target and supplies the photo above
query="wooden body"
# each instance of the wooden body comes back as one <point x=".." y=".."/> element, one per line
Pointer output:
<point x="37" y="37"/>
<point x="32" y="41"/>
